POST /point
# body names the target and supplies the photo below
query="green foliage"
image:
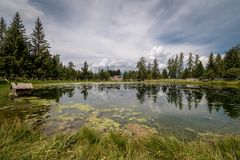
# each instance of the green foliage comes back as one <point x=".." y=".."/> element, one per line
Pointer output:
<point x="198" y="69"/>
<point x="232" y="58"/>
<point x="3" y="28"/>
<point x="232" y="73"/>
<point x="164" y="73"/>
<point x="142" y="71"/>
<point x="190" y="65"/>
<point x="103" y="75"/>
<point x="130" y="75"/>
<point x="155" y="70"/>
<point x="15" y="50"/>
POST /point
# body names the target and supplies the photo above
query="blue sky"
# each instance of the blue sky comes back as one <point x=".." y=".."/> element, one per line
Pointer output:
<point x="117" y="32"/>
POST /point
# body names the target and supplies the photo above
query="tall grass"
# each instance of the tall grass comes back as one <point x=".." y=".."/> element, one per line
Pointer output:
<point x="19" y="141"/>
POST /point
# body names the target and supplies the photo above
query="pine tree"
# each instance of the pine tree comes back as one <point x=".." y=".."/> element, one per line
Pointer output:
<point x="180" y="65"/>
<point x="232" y="63"/>
<point x="2" y="34"/>
<point x="210" y="68"/>
<point x="56" y="67"/>
<point x="85" y="72"/>
<point x="149" y="71"/>
<point x="199" y="70"/>
<point x="142" y="69"/>
<point x="176" y="66"/>
<point x="164" y="73"/>
<point x="219" y="66"/>
<point x="211" y="63"/>
<point x="190" y="65"/>
<point x="15" y="50"/>
<point x="155" y="70"/>
<point x="42" y="58"/>
<point x="195" y="71"/>
<point x="232" y="58"/>
<point x="3" y="28"/>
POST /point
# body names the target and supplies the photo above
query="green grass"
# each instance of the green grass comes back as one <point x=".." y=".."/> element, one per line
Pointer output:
<point x="19" y="141"/>
<point x="220" y="83"/>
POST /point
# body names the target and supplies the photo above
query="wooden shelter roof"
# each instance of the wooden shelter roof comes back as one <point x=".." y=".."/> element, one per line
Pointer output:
<point x="19" y="86"/>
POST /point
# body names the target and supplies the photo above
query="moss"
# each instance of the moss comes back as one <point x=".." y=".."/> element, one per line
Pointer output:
<point x="101" y="123"/>
<point x="82" y="107"/>
<point x="35" y="101"/>
<point x="79" y="106"/>
<point x="41" y="102"/>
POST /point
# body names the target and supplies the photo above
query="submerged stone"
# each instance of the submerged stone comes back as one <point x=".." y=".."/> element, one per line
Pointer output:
<point x="190" y="129"/>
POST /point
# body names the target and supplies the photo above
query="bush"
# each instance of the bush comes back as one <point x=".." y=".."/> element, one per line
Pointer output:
<point x="209" y="74"/>
<point x="3" y="81"/>
<point x="232" y="73"/>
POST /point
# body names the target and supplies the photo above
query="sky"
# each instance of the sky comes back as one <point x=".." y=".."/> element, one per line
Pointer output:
<point x="116" y="33"/>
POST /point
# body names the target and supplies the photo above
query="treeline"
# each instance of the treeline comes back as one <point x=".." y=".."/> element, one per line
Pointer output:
<point x="218" y="67"/>
<point x="28" y="57"/>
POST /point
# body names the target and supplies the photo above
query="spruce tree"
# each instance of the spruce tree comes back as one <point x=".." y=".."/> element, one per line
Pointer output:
<point x="149" y="71"/>
<point x="210" y="68"/>
<point x="15" y="50"/>
<point x="190" y="65"/>
<point x="180" y="65"/>
<point x="164" y="73"/>
<point x="199" y="70"/>
<point x="219" y="66"/>
<point x="3" y="28"/>
<point x="196" y="62"/>
<point x="232" y="58"/>
<point x="85" y="72"/>
<point x="40" y="49"/>
<point x="155" y="70"/>
<point x="142" y="69"/>
<point x="211" y="63"/>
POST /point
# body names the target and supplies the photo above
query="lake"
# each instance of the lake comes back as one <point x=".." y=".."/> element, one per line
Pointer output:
<point x="182" y="110"/>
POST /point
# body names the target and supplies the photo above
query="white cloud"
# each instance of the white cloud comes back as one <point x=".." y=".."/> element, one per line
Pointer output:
<point x="118" y="33"/>
<point x="28" y="13"/>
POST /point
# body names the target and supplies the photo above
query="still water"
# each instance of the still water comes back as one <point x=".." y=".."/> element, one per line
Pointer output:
<point x="183" y="110"/>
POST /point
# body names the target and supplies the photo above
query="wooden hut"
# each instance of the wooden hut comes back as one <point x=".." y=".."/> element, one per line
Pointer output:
<point x="21" y="89"/>
<point x="117" y="78"/>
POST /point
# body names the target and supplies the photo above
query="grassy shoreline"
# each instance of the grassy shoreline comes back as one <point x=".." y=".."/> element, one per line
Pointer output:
<point x="218" y="83"/>
<point x="223" y="83"/>
<point x="19" y="141"/>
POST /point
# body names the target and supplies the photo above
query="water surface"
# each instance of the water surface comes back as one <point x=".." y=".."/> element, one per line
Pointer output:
<point x="179" y="109"/>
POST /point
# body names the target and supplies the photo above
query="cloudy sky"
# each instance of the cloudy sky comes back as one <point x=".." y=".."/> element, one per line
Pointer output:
<point x="118" y="32"/>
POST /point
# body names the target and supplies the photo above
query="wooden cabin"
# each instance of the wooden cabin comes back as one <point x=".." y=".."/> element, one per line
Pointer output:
<point x="117" y="78"/>
<point x="21" y="89"/>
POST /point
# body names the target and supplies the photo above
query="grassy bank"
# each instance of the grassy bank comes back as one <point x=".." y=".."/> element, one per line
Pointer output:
<point x="19" y="141"/>
<point x="220" y="83"/>
<point x="197" y="82"/>
<point x="159" y="81"/>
